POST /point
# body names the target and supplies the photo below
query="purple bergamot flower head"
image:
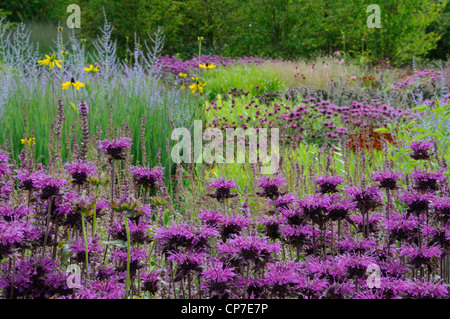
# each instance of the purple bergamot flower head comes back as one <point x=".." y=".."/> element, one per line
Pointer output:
<point x="420" y="150"/>
<point x="80" y="170"/>
<point x="388" y="179"/>
<point x="115" y="149"/>
<point x="223" y="188"/>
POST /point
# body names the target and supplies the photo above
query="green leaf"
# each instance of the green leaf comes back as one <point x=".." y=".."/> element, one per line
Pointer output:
<point x="118" y="243"/>
<point x="382" y="130"/>
<point x="74" y="108"/>
<point x="421" y="108"/>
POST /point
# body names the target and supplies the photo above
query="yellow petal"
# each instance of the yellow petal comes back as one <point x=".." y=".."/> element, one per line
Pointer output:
<point x="57" y="63"/>
<point x="66" y="85"/>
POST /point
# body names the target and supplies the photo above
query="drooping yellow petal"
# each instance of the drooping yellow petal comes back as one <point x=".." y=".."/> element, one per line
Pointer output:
<point x="193" y="87"/>
<point x="52" y="64"/>
<point x="57" y="63"/>
<point x="77" y="85"/>
<point x="66" y="85"/>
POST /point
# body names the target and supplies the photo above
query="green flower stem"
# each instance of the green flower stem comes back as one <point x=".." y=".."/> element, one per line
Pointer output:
<point x="83" y="225"/>
<point x="95" y="212"/>
<point x="128" y="256"/>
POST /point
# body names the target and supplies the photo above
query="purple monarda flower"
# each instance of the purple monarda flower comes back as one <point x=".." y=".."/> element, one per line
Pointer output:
<point x="146" y="177"/>
<point x="388" y="179"/>
<point x="420" y="150"/>
<point x="442" y="209"/>
<point x="79" y="251"/>
<point x="328" y="184"/>
<point x="138" y="256"/>
<point x="36" y="278"/>
<point x="223" y="189"/>
<point x="248" y="250"/>
<point x="49" y="185"/>
<point x="314" y="207"/>
<point x="270" y="186"/>
<point x="427" y="181"/>
<point x="98" y="289"/>
<point x="232" y="225"/>
<point x="418" y="202"/>
<point x="80" y="170"/>
<point x="283" y="279"/>
<point x="339" y="210"/>
<point x="421" y="256"/>
<point x="218" y="279"/>
<point x="150" y="282"/>
<point x="26" y="179"/>
<point x="187" y="262"/>
<point x="366" y="199"/>
<point x="115" y="149"/>
<point x="284" y="201"/>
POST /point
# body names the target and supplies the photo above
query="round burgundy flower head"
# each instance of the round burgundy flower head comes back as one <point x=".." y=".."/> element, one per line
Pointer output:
<point x="49" y="185"/>
<point x="146" y="177"/>
<point x="270" y="186"/>
<point x="150" y="282"/>
<point x="328" y="184"/>
<point x="442" y="209"/>
<point x="418" y="202"/>
<point x="80" y="170"/>
<point x="26" y="179"/>
<point x="427" y="181"/>
<point x="366" y="199"/>
<point x="115" y="149"/>
<point x="421" y="150"/>
<point x="388" y="179"/>
<point x="218" y="279"/>
<point x="223" y="187"/>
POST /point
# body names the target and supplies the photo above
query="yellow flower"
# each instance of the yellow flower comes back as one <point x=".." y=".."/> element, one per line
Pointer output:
<point x="77" y="85"/>
<point x="50" y="60"/>
<point x="31" y="140"/>
<point x="181" y="74"/>
<point x="196" y="86"/>
<point x="91" y="69"/>
<point x="194" y="79"/>
<point x="83" y="39"/>
<point x="207" y="66"/>
<point x="63" y="52"/>
<point x="199" y="38"/>
<point x="59" y="28"/>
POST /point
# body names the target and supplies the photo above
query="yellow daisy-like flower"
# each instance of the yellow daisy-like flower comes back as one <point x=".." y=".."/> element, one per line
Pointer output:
<point x="31" y="140"/>
<point x="91" y="69"/>
<point x="199" y="38"/>
<point x="197" y="86"/>
<point x="207" y="66"/>
<point x="59" y="28"/>
<point x="194" y="78"/>
<point x="181" y="74"/>
<point x="83" y="39"/>
<point x="50" y="61"/>
<point x="63" y="52"/>
<point x="77" y="85"/>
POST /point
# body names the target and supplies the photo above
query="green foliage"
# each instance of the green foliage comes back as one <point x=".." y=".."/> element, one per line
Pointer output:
<point x="246" y="77"/>
<point x="274" y="28"/>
